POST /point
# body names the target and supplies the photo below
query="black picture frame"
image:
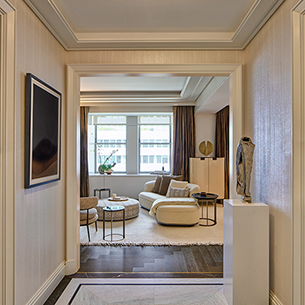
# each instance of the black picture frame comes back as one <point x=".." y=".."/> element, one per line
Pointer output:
<point x="42" y="132"/>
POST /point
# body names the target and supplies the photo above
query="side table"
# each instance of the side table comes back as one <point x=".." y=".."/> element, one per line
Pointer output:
<point x="105" y="189"/>
<point x="112" y="209"/>
<point x="206" y="198"/>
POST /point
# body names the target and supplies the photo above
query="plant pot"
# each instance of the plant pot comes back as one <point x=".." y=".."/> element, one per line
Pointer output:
<point x="109" y="171"/>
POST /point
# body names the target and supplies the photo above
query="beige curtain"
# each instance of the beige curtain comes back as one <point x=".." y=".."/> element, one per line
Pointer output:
<point x="184" y="139"/>
<point x="84" y="177"/>
<point x="222" y="142"/>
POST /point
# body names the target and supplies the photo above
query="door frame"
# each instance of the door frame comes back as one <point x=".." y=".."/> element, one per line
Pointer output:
<point x="298" y="148"/>
<point x="7" y="156"/>
<point x="75" y="71"/>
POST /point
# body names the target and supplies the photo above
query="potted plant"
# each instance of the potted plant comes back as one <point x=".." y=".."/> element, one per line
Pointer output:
<point x="106" y="167"/>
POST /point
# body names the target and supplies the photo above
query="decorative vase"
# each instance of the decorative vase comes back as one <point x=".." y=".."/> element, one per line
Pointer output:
<point x="109" y="171"/>
<point x="100" y="170"/>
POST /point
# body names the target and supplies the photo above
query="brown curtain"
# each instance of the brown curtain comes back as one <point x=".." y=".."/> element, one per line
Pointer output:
<point x="222" y="142"/>
<point x="84" y="177"/>
<point x="184" y="139"/>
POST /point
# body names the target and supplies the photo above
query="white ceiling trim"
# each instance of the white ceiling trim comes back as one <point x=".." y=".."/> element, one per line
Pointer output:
<point x="187" y="95"/>
<point x="54" y="20"/>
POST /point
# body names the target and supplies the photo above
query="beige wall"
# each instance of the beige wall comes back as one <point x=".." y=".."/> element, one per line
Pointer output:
<point x="39" y="211"/>
<point x="205" y="125"/>
<point x="268" y="120"/>
<point x="153" y="57"/>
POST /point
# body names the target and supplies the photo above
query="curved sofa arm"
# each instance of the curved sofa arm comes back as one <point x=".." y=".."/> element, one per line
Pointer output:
<point x="194" y="188"/>
<point x="149" y="185"/>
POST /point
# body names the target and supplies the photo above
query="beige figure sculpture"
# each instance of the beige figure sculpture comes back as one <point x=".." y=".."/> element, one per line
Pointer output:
<point x="244" y="161"/>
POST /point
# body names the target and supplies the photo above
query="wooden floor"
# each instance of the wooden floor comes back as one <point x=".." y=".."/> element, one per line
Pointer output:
<point x="203" y="261"/>
<point x="146" y="262"/>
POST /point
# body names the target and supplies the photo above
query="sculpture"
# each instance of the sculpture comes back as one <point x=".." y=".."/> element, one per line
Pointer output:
<point x="206" y="148"/>
<point x="244" y="161"/>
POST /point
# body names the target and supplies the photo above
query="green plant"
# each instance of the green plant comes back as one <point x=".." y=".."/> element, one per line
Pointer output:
<point x="106" y="165"/>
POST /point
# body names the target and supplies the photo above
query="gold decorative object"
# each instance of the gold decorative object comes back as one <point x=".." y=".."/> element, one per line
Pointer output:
<point x="206" y="148"/>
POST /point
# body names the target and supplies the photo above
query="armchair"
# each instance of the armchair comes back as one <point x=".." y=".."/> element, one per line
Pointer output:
<point x="88" y="213"/>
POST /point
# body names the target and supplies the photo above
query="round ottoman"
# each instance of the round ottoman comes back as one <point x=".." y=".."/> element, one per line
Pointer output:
<point x="131" y="205"/>
<point x="180" y="215"/>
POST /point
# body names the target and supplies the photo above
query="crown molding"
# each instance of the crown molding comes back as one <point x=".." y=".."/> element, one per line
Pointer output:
<point x="187" y="95"/>
<point x="56" y="22"/>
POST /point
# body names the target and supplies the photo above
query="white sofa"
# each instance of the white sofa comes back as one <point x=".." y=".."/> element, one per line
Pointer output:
<point x="171" y="211"/>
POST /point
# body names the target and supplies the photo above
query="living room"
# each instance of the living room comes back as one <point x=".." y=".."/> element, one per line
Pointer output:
<point x="140" y="127"/>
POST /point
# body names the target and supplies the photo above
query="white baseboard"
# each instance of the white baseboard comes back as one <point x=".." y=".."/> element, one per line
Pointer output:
<point x="48" y="287"/>
<point x="273" y="299"/>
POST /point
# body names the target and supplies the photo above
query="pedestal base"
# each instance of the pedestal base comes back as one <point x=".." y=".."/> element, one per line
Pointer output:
<point x="246" y="253"/>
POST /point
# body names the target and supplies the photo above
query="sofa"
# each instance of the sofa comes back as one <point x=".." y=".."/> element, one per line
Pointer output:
<point x="170" y="210"/>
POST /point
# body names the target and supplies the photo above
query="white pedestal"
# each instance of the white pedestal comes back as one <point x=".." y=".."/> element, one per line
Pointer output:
<point x="246" y="253"/>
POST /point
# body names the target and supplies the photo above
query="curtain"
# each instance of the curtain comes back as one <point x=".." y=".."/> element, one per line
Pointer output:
<point x="184" y="139"/>
<point x="222" y="142"/>
<point x="84" y="177"/>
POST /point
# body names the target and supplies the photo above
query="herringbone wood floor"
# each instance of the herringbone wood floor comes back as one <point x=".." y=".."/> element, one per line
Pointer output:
<point x="159" y="259"/>
<point x="146" y="262"/>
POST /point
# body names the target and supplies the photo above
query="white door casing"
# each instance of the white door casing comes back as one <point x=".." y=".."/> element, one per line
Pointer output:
<point x="298" y="161"/>
<point x="73" y="104"/>
<point x="7" y="152"/>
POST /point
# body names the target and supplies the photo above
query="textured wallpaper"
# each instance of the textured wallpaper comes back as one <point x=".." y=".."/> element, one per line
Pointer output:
<point x="268" y="121"/>
<point x="40" y="211"/>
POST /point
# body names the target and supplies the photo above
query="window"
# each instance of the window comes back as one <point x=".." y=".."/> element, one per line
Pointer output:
<point x="146" y="138"/>
<point x="105" y="134"/>
<point x="155" y="129"/>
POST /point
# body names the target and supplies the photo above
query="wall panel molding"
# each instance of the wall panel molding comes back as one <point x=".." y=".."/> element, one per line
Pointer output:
<point x="298" y="178"/>
<point x="48" y="287"/>
<point x="7" y="157"/>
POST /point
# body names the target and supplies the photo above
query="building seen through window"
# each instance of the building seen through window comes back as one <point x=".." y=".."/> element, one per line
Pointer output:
<point x="110" y="132"/>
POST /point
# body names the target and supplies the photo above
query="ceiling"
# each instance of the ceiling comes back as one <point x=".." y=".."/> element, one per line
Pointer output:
<point x="154" y="25"/>
<point x="208" y="94"/>
<point x="157" y="24"/>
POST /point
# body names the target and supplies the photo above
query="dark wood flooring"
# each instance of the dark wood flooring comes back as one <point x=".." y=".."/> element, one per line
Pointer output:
<point x="146" y="262"/>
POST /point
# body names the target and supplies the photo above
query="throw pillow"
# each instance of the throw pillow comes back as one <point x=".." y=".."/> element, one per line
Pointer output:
<point x="157" y="184"/>
<point x="176" y="192"/>
<point x="165" y="183"/>
<point x="177" y="184"/>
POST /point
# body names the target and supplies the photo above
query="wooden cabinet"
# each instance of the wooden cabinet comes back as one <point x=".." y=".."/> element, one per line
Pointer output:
<point x="208" y="173"/>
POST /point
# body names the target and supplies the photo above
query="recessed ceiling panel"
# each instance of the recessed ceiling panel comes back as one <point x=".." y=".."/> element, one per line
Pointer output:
<point x="130" y="89"/>
<point x="157" y="24"/>
<point x="154" y="16"/>
<point x="132" y="83"/>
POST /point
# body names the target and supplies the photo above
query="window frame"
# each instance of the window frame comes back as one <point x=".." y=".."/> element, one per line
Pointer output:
<point x="170" y="143"/>
<point x="136" y="148"/>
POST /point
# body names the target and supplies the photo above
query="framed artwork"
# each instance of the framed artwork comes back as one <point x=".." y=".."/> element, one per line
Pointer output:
<point x="42" y="132"/>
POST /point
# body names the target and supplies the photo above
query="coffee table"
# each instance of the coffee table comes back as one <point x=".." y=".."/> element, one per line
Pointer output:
<point x="132" y="208"/>
<point x="113" y="209"/>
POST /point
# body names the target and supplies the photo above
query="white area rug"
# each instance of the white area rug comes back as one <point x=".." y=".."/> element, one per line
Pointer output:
<point x="144" y="230"/>
<point x="143" y="291"/>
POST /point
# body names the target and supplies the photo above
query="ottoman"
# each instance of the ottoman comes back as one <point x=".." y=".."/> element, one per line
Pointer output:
<point x="131" y="205"/>
<point x="179" y="215"/>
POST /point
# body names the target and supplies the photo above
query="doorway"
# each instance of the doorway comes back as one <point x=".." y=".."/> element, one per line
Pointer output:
<point x="73" y="103"/>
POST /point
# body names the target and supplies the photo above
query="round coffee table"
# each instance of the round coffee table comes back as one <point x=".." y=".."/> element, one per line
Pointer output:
<point x="132" y="209"/>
